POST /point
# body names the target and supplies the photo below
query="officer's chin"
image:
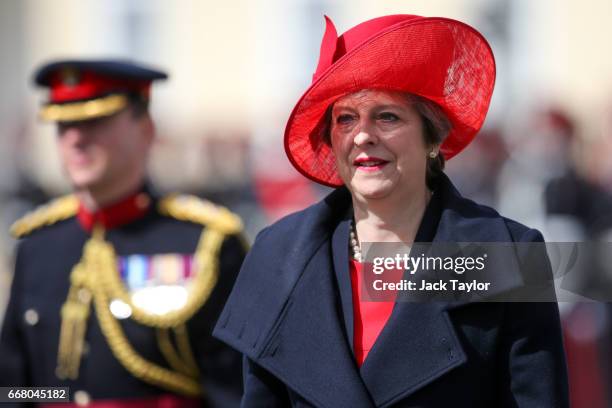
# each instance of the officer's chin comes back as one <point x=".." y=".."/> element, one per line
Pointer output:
<point x="85" y="180"/>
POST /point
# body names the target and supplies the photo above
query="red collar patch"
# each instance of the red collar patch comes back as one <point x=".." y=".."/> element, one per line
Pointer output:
<point x="115" y="215"/>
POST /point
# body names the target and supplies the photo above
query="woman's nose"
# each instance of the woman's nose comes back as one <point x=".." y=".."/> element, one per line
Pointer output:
<point x="365" y="135"/>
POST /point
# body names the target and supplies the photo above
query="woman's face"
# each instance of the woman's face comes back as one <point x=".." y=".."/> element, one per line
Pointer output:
<point x="377" y="139"/>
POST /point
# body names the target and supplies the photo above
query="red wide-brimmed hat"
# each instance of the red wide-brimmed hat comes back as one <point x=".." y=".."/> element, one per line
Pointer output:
<point x="443" y="60"/>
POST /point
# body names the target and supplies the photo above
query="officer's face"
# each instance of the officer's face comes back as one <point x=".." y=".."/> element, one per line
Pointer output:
<point x="102" y="153"/>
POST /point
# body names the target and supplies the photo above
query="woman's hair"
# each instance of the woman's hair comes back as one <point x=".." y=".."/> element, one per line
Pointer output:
<point x="436" y="127"/>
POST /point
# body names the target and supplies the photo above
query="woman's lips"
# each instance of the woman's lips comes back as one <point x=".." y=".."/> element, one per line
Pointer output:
<point x="369" y="163"/>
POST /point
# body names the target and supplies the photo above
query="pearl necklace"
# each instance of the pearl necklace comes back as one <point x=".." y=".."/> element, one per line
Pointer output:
<point x="354" y="243"/>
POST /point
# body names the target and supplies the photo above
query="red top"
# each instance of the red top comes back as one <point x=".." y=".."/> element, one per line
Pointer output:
<point x="369" y="317"/>
<point x="127" y="210"/>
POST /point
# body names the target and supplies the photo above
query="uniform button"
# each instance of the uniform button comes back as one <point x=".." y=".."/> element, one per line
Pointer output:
<point x="86" y="349"/>
<point x="82" y="398"/>
<point x="31" y="317"/>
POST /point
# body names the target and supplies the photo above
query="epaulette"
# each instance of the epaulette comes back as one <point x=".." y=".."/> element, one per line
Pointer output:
<point x="196" y="210"/>
<point x="48" y="214"/>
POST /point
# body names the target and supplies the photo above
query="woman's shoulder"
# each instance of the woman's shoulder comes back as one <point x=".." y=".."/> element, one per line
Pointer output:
<point x="287" y="224"/>
<point x="468" y="220"/>
<point x="518" y="231"/>
<point x="316" y="220"/>
<point x="270" y="271"/>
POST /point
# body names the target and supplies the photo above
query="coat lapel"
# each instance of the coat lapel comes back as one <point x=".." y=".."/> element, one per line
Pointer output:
<point x="417" y="346"/>
<point x="419" y="340"/>
<point x="309" y="351"/>
<point x="340" y="254"/>
<point x="285" y="310"/>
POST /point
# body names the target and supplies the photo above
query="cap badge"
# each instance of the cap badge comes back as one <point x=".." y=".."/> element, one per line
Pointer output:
<point x="70" y="76"/>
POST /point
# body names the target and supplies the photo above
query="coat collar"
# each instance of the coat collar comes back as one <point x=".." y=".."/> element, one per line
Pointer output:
<point x="128" y="209"/>
<point x="287" y="263"/>
<point x="340" y="251"/>
<point x="264" y="318"/>
<point x="420" y="359"/>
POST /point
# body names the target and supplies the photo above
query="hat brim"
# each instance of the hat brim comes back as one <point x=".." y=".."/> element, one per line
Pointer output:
<point x="84" y="110"/>
<point x="443" y="60"/>
<point x="125" y="69"/>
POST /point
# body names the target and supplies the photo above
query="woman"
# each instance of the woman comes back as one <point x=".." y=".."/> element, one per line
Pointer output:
<point x="391" y="99"/>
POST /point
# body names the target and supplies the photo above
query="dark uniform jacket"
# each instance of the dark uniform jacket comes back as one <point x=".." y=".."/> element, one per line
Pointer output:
<point x="290" y="313"/>
<point x="31" y="329"/>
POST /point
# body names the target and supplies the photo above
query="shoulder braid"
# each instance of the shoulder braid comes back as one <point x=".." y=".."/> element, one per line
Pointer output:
<point x="48" y="214"/>
<point x="194" y="209"/>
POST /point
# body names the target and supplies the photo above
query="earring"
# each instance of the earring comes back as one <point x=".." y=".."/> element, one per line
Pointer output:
<point x="433" y="154"/>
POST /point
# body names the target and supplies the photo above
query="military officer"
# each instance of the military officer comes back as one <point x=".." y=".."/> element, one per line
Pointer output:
<point x="116" y="289"/>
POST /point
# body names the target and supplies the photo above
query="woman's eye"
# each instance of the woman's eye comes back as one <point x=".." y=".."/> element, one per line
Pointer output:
<point x="344" y="119"/>
<point x="388" y="117"/>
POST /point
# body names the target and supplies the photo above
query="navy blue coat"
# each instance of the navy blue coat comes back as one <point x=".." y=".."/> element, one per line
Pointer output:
<point x="290" y="314"/>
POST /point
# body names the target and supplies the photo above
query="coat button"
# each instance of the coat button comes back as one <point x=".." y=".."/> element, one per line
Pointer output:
<point x="82" y="398"/>
<point x="31" y="317"/>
